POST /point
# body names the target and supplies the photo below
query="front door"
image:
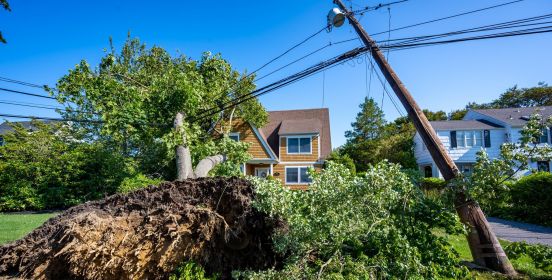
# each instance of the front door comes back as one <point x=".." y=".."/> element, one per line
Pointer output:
<point x="262" y="172"/>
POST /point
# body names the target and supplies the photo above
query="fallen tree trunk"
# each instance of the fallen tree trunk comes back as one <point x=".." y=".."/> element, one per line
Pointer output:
<point x="147" y="234"/>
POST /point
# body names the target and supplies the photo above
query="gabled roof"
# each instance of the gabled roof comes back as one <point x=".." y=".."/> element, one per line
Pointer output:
<point x="463" y="125"/>
<point x="5" y="127"/>
<point x="516" y="116"/>
<point x="298" y="122"/>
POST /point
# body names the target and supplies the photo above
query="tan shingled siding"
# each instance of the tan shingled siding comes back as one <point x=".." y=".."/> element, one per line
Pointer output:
<point x="284" y="156"/>
<point x="280" y="169"/>
<point x="256" y="149"/>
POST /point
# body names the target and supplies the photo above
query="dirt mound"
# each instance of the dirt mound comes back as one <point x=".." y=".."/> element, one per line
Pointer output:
<point x="147" y="233"/>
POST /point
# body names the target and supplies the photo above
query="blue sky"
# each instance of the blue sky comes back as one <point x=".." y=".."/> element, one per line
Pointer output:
<point x="47" y="38"/>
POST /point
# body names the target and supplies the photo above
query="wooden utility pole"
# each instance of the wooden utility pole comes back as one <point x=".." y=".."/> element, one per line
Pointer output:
<point x="484" y="246"/>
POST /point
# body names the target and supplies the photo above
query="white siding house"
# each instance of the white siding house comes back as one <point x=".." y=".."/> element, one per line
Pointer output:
<point x="484" y="129"/>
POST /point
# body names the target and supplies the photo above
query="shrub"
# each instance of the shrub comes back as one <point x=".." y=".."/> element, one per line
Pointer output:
<point x="190" y="271"/>
<point x="531" y="198"/>
<point x="348" y="227"/>
<point x="50" y="168"/>
<point x="541" y="255"/>
<point x="432" y="183"/>
<point x="136" y="182"/>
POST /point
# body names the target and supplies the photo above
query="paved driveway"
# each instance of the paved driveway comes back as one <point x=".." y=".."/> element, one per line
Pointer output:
<point x="516" y="231"/>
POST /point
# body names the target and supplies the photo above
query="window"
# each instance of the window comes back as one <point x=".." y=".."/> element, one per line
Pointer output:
<point x="299" y="145"/>
<point x="1" y="141"/>
<point x="469" y="138"/>
<point x="234" y="136"/>
<point x="466" y="168"/>
<point x="428" y="171"/>
<point x="297" y="175"/>
<point x="544" y="136"/>
<point x="543" y="166"/>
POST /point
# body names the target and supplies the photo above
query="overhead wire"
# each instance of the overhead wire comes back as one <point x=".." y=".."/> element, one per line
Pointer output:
<point x="26" y="93"/>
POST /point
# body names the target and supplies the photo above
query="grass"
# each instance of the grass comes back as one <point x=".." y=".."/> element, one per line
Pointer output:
<point x="523" y="265"/>
<point x="15" y="226"/>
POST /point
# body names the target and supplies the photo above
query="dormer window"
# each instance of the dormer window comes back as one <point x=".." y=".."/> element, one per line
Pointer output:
<point x="299" y="145"/>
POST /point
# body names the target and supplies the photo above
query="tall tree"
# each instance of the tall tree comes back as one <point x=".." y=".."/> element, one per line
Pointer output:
<point x="132" y="97"/>
<point x="369" y="122"/>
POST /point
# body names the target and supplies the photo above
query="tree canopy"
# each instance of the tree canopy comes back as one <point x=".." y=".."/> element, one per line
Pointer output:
<point x="131" y="98"/>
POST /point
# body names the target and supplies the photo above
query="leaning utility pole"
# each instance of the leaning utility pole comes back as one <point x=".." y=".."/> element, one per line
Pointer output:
<point x="484" y="246"/>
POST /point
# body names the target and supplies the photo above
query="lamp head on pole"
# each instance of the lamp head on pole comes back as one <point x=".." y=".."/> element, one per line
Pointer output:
<point x="336" y="18"/>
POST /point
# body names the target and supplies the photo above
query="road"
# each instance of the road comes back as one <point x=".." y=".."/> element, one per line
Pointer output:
<point x="516" y="231"/>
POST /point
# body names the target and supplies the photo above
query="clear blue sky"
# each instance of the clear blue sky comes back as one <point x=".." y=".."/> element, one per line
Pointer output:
<point x="47" y="38"/>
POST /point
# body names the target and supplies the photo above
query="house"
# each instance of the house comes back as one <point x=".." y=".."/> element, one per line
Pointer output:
<point x="480" y="129"/>
<point x="287" y="146"/>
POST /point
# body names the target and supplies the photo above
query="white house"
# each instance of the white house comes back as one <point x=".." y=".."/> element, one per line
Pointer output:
<point x="484" y="129"/>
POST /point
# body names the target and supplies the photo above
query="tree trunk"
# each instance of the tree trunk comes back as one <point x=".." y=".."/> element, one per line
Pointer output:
<point x="183" y="157"/>
<point x="206" y="164"/>
<point x="484" y="246"/>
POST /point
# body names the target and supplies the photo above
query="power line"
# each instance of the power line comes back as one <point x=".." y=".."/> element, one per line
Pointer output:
<point x="379" y="6"/>
<point x="13" y="81"/>
<point x="7" y="102"/>
<point x="449" y="17"/>
<point x="48" y="118"/>
<point x="26" y="93"/>
<point x="283" y="82"/>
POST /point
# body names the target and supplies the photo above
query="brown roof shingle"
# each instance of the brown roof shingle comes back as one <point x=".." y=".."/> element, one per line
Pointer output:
<point x="299" y="121"/>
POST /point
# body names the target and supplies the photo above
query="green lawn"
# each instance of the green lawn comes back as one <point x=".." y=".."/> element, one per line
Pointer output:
<point x="15" y="226"/>
<point x="523" y="265"/>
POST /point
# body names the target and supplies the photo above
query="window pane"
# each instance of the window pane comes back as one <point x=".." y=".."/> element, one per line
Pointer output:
<point x="460" y="139"/>
<point x="293" y="145"/>
<point x="292" y="175"/>
<point x="469" y="138"/>
<point x="478" y="138"/>
<point x="305" y="178"/>
<point x="305" y="145"/>
<point x="544" y="136"/>
<point x="235" y="137"/>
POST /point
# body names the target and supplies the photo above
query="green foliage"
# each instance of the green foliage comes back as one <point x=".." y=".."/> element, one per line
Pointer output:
<point x="369" y="122"/>
<point x="235" y="152"/>
<point x="137" y="92"/>
<point x="373" y="139"/>
<point x="515" y="97"/>
<point x="51" y="167"/>
<point x="432" y="183"/>
<point x="493" y="181"/>
<point x="541" y="255"/>
<point x="190" y="271"/>
<point x="531" y="198"/>
<point x="348" y="227"/>
<point x="338" y="156"/>
<point x="136" y="182"/>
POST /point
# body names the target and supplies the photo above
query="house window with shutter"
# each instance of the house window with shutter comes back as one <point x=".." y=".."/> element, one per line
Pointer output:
<point x="544" y="136"/>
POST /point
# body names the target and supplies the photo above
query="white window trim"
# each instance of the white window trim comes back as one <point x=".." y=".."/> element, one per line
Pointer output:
<point x="298" y="175"/>
<point x="235" y="134"/>
<point x="257" y="168"/>
<point x="465" y="139"/>
<point x="299" y="137"/>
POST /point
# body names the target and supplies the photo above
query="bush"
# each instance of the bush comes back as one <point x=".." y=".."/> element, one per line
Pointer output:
<point x="190" y="271"/>
<point x="136" y="182"/>
<point x="541" y="255"/>
<point x="50" y="168"/>
<point x="348" y="227"/>
<point x="432" y="183"/>
<point x="531" y="198"/>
